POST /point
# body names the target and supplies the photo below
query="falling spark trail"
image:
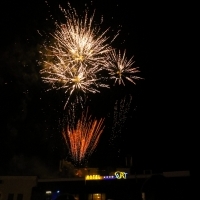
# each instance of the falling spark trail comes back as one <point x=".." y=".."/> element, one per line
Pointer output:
<point x="82" y="139"/>
<point x="121" y="109"/>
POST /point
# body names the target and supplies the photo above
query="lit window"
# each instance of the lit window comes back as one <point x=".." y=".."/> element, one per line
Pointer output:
<point x="48" y="192"/>
<point x="97" y="196"/>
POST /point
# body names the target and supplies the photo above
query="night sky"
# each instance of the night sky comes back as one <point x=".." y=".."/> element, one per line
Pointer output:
<point x="158" y="129"/>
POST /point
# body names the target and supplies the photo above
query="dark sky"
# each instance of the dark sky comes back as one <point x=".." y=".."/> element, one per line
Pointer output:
<point x="158" y="130"/>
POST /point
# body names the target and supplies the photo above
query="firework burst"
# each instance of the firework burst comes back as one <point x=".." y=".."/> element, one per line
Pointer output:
<point x="119" y="67"/>
<point x="82" y="139"/>
<point x="77" y="55"/>
<point x="79" y="41"/>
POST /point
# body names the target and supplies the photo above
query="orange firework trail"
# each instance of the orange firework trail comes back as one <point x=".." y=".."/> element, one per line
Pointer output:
<point x="83" y="138"/>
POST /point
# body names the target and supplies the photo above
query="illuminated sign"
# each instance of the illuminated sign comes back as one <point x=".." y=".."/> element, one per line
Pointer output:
<point x="120" y="175"/>
<point x="108" y="177"/>
<point x="93" y="177"/>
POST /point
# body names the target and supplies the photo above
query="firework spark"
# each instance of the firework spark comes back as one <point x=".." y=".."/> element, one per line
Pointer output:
<point x="76" y="56"/>
<point x="83" y="138"/>
<point x="121" y="109"/>
<point x="119" y="67"/>
<point x="79" y="41"/>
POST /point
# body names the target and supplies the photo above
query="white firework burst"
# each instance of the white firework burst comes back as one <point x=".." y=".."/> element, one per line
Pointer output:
<point x="120" y="68"/>
<point x="77" y="55"/>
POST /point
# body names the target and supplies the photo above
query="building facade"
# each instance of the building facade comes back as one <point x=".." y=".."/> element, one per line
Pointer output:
<point x="118" y="185"/>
